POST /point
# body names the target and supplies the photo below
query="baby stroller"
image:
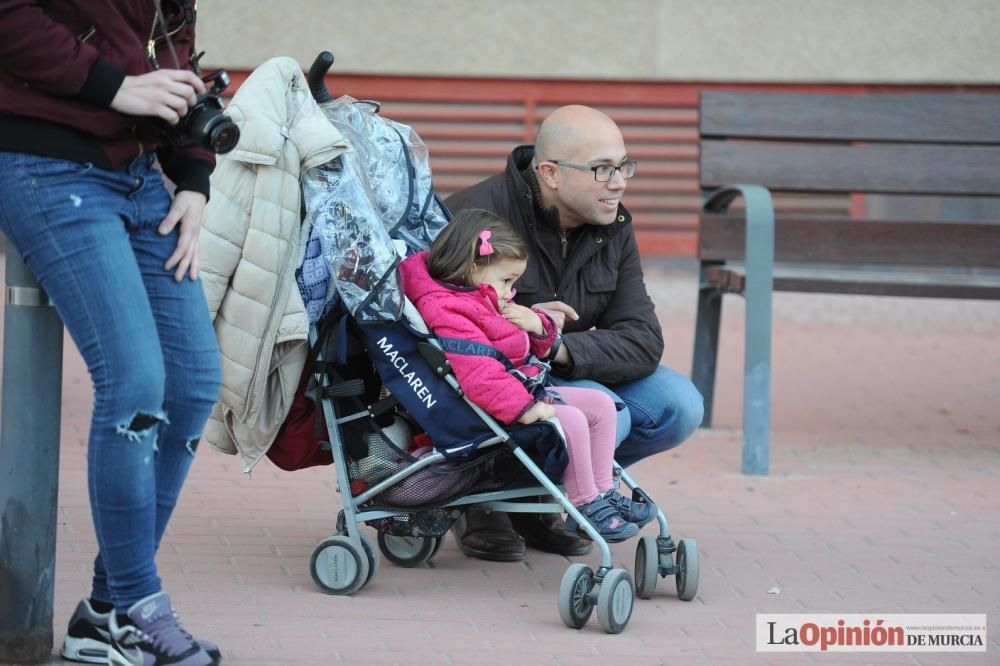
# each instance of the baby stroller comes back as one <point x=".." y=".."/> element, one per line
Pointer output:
<point x="381" y="376"/>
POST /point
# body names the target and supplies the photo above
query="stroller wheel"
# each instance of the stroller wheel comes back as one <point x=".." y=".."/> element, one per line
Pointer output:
<point x="687" y="569"/>
<point x="338" y="566"/>
<point x="575" y="601"/>
<point x="647" y="567"/>
<point x="615" y="600"/>
<point x="407" y="551"/>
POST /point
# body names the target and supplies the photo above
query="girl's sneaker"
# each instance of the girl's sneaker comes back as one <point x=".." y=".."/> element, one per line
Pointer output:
<point x="631" y="510"/>
<point x="605" y="519"/>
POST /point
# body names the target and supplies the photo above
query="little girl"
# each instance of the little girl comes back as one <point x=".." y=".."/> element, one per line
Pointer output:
<point x="463" y="287"/>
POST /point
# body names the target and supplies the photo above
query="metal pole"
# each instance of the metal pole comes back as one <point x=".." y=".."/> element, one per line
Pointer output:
<point x="29" y="465"/>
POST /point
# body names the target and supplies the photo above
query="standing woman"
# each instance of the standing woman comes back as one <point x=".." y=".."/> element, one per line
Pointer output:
<point x="83" y="85"/>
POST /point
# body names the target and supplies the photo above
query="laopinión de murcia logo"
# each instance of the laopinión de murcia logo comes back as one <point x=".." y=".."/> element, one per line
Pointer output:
<point x="927" y="632"/>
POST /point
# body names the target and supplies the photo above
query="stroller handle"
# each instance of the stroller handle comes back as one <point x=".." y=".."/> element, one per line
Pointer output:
<point x="316" y="77"/>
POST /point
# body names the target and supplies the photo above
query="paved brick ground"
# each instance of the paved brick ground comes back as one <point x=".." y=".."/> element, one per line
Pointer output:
<point x="881" y="499"/>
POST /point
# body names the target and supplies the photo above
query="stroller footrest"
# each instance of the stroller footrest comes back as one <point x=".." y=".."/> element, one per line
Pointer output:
<point x="345" y="389"/>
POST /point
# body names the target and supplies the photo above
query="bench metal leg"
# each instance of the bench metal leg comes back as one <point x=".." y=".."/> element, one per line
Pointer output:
<point x="706" y="344"/>
<point x="757" y="358"/>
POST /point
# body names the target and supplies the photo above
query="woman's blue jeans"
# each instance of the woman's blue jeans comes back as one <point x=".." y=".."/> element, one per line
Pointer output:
<point x="661" y="411"/>
<point x="90" y="237"/>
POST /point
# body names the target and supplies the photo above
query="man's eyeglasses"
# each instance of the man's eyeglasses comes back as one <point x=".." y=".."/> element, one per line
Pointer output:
<point x="603" y="172"/>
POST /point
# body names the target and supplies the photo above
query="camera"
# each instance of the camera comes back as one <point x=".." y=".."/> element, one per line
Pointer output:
<point x="204" y="124"/>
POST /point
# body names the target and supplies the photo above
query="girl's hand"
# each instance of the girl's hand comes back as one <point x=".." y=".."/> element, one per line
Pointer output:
<point x="186" y="210"/>
<point x="539" y="411"/>
<point x="523" y="318"/>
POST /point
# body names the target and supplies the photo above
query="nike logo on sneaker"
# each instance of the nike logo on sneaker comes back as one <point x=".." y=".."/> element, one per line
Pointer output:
<point x="147" y="611"/>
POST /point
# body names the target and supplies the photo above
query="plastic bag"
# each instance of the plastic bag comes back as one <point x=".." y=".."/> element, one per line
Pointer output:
<point x="377" y="191"/>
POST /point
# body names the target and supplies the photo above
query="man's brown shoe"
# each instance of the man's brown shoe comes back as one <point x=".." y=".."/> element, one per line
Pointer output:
<point x="546" y="532"/>
<point x="488" y="536"/>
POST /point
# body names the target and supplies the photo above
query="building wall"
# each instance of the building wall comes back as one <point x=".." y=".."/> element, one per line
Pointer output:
<point x="474" y="77"/>
<point x="817" y="41"/>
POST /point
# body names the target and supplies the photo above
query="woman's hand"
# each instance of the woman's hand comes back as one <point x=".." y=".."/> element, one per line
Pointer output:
<point x="539" y="411"/>
<point x="523" y="318"/>
<point x="163" y="93"/>
<point x="186" y="210"/>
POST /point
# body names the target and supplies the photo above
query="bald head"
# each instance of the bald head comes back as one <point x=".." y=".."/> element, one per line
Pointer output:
<point x="570" y="131"/>
<point x="570" y="142"/>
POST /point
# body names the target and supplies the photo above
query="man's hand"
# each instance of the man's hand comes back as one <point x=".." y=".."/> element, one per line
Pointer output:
<point x="539" y="411"/>
<point x="523" y="318"/>
<point x="163" y="93"/>
<point x="559" y="312"/>
<point x="186" y="210"/>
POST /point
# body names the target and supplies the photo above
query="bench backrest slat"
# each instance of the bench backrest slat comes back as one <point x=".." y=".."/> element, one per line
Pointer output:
<point x="881" y="168"/>
<point x="892" y="144"/>
<point x="907" y="118"/>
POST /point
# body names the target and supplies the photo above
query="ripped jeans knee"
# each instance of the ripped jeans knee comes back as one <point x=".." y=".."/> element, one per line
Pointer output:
<point x="151" y="423"/>
<point x="142" y="423"/>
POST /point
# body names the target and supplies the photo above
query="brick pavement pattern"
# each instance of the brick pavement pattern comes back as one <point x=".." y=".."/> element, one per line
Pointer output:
<point x="881" y="499"/>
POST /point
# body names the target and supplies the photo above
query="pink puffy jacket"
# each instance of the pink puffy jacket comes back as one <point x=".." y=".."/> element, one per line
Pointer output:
<point x="473" y="313"/>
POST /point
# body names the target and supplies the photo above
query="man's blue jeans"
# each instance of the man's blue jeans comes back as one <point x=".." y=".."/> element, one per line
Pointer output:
<point x="90" y="237"/>
<point x="661" y="411"/>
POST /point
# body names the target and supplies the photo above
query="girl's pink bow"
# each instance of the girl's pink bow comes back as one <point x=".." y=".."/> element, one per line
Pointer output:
<point x="485" y="248"/>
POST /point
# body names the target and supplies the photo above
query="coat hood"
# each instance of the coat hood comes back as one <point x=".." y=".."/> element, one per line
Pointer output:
<point x="414" y="272"/>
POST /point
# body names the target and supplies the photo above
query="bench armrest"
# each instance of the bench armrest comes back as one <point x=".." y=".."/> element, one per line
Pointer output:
<point x="759" y="212"/>
<point x="759" y="218"/>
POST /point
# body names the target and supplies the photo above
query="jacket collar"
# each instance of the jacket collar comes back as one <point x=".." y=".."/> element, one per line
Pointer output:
<point x="414" y="268"/>
<point x="273" y="106"/>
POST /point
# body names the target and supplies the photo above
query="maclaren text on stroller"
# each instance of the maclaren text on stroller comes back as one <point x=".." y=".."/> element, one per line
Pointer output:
<point x="381" y="375"/>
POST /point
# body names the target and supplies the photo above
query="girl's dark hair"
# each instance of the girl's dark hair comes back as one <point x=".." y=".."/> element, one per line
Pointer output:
<point x="456" y="249"/>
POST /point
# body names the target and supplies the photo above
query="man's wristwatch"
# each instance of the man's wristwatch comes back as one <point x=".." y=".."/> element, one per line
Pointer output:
<point x="554" y="349"/>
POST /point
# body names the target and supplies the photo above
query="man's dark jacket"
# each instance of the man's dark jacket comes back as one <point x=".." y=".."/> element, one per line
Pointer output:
<point x="62" y="63"/>
<point x="618" y="337"/>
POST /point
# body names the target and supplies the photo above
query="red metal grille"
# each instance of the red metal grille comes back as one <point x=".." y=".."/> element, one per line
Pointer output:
<point x="471" y="125"/>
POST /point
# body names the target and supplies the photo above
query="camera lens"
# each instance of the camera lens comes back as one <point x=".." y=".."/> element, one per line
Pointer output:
<point x="223" y="135"/>
<point x="207" y="126"/>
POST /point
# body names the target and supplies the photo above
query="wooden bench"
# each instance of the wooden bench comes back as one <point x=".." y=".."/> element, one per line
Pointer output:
<point x="756" y="143"/>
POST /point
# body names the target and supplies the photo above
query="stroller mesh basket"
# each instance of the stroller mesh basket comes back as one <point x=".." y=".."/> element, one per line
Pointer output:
<point x="433" y="522"/>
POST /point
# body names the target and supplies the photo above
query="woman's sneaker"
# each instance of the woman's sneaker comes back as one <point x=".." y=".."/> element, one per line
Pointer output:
<point x="88" y="637"/>
<point x="605" y="519"/>
<point x="631" y="510"/>
<point x="154" y="637"/>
